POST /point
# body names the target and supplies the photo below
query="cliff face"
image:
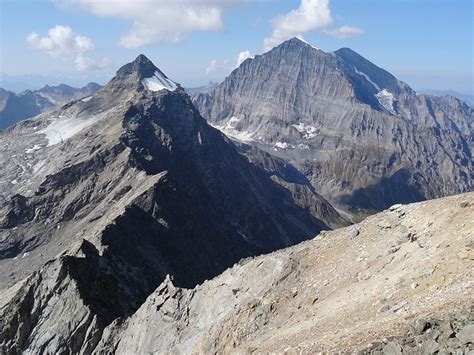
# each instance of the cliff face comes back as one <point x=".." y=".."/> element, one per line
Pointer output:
<point x="364" y="139"/>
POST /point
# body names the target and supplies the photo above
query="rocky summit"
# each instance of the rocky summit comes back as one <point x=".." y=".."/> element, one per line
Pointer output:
<point x="362" y="138"/>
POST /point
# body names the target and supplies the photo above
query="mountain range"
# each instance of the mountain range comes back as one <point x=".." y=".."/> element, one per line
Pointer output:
<point x="464" y="96"/>
<point x="138" y="219"/>
<point x="17" y="107"/>
<point x="129" y="186"/>
<point x="362" y="138"/>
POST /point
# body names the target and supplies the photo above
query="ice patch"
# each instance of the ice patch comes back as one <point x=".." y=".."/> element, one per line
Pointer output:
<point x="159" y="82"/>
<point x="386" y="99"/>
<point x="308" y="132"/>
<point x="14" y="182"/>
<point x="367" y="78"/>
<point x="229" y="129"/>
<point x="31" y="150"/>
<point x="282" y="145"/>
<point x="85" y="99"/>
<point x="62" y="129"/>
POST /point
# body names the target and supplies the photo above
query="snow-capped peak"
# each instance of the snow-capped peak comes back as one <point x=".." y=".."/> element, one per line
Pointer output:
<point x="158" y="82"/>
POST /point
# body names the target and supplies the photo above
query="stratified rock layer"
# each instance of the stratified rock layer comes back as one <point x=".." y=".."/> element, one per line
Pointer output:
<point x="364" y="139"/>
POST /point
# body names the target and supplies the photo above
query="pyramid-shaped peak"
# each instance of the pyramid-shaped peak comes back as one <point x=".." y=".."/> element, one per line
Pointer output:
<point x="296" y="42"/>
<point x="142" y="66"/>
<point x="143" y="71"/>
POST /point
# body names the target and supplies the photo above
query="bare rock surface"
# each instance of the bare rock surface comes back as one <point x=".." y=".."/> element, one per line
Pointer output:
<point x="329" y="294"/>
<point x="362" y="138"/>
<point x="404" y="289"/>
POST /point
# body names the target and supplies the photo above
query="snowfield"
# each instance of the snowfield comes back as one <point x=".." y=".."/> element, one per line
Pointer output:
<point x="31" y="150"/>
<point x="367" y="78"/>
<point x="230" y="130"/>
<point x="64" y="128"/>
<point x="159" y="82"/>
<point x="308" y="132"/>
<point x="386" y="99"/>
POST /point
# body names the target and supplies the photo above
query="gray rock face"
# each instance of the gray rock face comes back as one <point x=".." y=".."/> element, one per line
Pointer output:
<point x="120" y="191"/>
<point x="362" y="138"/>
<point x="17" y="107"/>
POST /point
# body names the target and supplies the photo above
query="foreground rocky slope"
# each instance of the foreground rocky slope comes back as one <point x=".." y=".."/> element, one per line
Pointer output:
<point x="364" y="139"/>
<point x="17" y="107"/>
<point x="409" y="265"/>
<point x="401" y="280"/>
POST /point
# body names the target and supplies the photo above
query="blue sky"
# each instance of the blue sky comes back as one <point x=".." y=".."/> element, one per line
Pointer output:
<point x="427" y="43"/>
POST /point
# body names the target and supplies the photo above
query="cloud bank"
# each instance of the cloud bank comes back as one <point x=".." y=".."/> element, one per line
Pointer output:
<point x="158" y="20"/>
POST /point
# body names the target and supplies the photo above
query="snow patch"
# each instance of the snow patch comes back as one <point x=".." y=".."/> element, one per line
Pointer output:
<point x="62" y="129"/>
<point x="229" y="129"/>
<point x="308" y="132"/>
<point x="386" y="99"/>
<point x="87" y="98"/>
<point x="282" y="145"/>
<point x="159" y="82"/>
<point x="367" y="78"/>
<point x="31" y="150"/>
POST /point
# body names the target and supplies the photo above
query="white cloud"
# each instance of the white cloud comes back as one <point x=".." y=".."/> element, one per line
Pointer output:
<point x="63" y="42"/>
<point x="86" y="64"/>
<point x="211" y="67"/>
<point x="310" y="15"/>
<point x="344" y="32"/>
<point x="60" y="41"/>
<point x="242" y="57"/>
<point x="158" y="20"/>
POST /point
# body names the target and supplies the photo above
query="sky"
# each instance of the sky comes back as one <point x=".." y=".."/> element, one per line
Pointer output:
<point x="426" y="43"/>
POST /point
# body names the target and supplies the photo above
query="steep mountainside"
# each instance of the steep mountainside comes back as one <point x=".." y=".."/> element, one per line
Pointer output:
<point x="400" y="280"/>
<point x="17" y="107"/>
<point x="362" y="138"/>
<point x="121" y="190"/>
